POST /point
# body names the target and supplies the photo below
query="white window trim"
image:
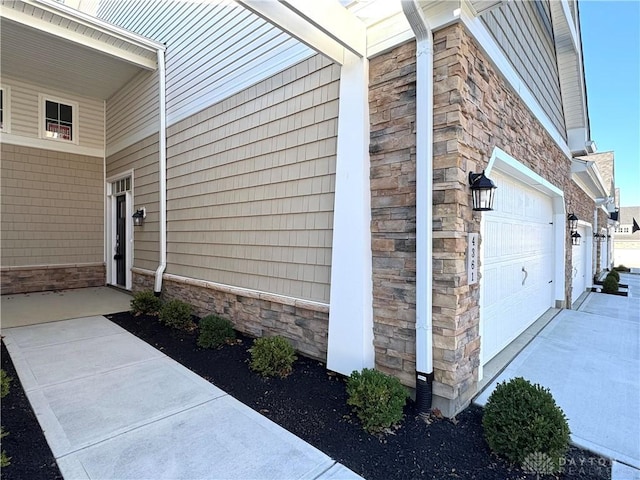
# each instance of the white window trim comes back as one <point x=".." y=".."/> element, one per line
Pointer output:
<point x="6" y="107"/>
<point x="42" y="98"/>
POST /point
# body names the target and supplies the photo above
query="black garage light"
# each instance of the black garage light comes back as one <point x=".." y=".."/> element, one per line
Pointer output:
<point x="599" y="237"/>
<point x="482" y="190"/>
<point x="573" y="222"/>
<point x="575" y="238"/>
<point x="139" y="216"/>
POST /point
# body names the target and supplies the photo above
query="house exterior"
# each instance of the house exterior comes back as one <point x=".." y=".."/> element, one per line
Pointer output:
<point x="626" y="242"/>
<point x="303" y="169"/>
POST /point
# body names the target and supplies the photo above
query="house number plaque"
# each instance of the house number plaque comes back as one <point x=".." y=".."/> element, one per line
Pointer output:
<point x="472" y="259"/>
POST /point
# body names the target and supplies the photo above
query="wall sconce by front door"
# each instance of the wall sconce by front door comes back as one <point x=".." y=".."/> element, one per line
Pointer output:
<point x="139" y="216"/>
<point x="575" y="238"/>
<point x="573" y="222"/>
<point x="599" y="237"/>
<point x="482" y="190"/>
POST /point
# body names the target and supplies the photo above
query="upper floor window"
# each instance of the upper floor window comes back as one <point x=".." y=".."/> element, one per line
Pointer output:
<point x="59" y="119"/>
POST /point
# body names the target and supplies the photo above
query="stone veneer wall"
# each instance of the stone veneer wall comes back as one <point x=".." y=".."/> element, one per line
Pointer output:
<point x="50" y="277"/>
<point x="392" y="98"/>
<point x="474" y="111"/>
<point x="255" y="313"/>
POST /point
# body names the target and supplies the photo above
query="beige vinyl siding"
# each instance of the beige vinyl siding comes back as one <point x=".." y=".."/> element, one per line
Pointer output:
<point x="132" y="113"/>
<point x="142" y="158"/>
<point x="251" y="185"/>
<point x="524" y="32"/>
<point x="25" y="113"/>
<point x="52" y="207"/>
<point x="214" y="49"/>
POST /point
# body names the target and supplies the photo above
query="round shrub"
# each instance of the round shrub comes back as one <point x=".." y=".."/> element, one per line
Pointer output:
<point x="378" y="399"/>
<point x="215" y="331"/>
<point x="5" y="383"/>
<point x="145" y="302"/>
<point x="272" y="356"/>
<point x="521" y="419"/>
<point x="177" y="314"/>
<point x="610" y="284"/>
<point x="614" y="274"/>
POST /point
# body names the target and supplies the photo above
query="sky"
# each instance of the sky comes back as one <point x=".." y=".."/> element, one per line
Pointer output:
<point x="611" y="52"/>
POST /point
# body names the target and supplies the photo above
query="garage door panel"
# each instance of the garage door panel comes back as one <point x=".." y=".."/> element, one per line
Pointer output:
<point x="517" y="236"/>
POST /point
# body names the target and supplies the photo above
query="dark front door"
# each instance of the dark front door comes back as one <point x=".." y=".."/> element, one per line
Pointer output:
<point x="121" y="238"/>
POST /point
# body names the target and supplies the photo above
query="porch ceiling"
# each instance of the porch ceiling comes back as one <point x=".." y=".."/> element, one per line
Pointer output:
<point x="63" y="49"/>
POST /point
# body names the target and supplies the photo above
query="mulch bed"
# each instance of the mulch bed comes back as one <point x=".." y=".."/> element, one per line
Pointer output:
<point x="311" y="403"/>
<point x="30" y="455"/>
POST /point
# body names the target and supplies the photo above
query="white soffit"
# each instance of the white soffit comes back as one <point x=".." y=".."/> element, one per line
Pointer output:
<point x="46" y="43"/>
<point x="586" y="175"/>
<point x="570" y="69"/>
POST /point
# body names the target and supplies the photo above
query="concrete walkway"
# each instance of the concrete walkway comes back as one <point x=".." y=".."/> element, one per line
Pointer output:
<point x="590" y="360"/>
<point x="113" y="407"/>
<point x="40" y="307"/>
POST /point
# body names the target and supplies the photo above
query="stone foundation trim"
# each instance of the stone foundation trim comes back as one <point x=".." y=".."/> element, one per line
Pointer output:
<point x="42" y="278"/>
<point x="257" y="314"/>
<point x="243" y="292"/>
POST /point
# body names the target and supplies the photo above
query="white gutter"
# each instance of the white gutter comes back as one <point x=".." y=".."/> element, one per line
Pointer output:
<point x="424" y="196"/>
<point x="162" y="150"/>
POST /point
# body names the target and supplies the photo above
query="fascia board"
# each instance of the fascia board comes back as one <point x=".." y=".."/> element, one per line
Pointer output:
<point x="94" y="23"/>
<point x="334" y="20"/>
<point x="280" y="15"/>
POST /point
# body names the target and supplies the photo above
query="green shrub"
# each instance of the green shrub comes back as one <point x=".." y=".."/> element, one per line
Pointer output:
<point x="378" y="399"/>
<point x="521" y="419"/>
<point x="177" y="314"/>
<point x="272" y="356"/>
<point x="610" y="284"/>
<point x="145" y="303"/>
<point x="621" y="268"/>
<point x="4" y="459"/>
<point x="614" y="274"/>
<point x="215" y="331"/>
<point x="5" y="383"/>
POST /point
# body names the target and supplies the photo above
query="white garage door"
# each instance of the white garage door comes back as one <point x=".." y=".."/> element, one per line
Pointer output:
<point x="517" y="264"/>
<point x="579" y="265"/>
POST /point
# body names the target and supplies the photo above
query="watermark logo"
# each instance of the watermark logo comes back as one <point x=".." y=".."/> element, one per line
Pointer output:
<point x="539" y="463"/>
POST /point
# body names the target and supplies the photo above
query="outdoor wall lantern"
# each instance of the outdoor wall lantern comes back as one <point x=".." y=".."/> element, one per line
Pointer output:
<point x="599" y="237"/>
<point x="573" y="222"/>
<point x="139" y="216"/>
<point x="575" y="238"/>
<point x="482" y="190"/>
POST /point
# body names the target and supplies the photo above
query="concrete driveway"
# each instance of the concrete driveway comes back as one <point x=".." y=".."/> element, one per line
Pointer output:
<point x="590" y="360"/>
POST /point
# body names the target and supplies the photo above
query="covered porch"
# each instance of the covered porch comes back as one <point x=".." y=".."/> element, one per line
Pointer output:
<point x="59" y="69"/>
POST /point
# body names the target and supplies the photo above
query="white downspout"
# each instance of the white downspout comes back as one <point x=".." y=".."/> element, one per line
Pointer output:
<point x="595" y="243"/>
<point x="162" y="150"/>
<point x="424" y="197"/>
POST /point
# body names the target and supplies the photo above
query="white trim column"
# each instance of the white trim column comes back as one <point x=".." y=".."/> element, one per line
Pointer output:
<point x="350" y="343"/>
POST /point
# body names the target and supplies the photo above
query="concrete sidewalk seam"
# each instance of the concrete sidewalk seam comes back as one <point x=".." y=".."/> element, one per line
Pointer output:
<point x="139" y="426"/>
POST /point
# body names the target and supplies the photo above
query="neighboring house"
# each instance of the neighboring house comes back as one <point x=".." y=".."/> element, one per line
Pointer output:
<point x="595" y="174"/>
<point x="303" y="168"/>
<point x="626" y="242"/>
